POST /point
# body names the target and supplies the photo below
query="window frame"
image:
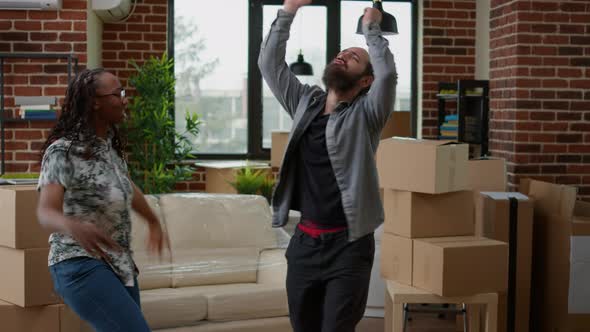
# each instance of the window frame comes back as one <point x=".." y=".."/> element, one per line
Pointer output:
<point x="255" y="150"/>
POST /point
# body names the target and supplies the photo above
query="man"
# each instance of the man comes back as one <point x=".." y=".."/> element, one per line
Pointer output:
<point x="329" y="173"/>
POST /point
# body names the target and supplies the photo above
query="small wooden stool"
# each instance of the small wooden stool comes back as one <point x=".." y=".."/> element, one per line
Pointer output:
<point x="399" y="294"/>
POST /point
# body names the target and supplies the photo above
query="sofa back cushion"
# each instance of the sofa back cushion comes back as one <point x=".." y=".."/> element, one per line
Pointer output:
<point x="217" y="221"/>
<point x="213" y="266"/>
<point x="153" y="271"/>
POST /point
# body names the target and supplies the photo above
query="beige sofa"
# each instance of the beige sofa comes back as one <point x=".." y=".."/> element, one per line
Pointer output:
<point x="226" y="270"/>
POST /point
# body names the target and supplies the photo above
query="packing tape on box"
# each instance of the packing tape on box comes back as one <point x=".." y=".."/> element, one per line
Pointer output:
<point x="452" y="168"/>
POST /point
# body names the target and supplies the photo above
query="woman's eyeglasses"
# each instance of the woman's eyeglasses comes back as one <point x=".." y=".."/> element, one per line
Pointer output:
<point x="120" y="94"/>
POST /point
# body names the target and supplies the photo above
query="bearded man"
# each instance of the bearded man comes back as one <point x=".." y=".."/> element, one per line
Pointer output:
<point x="329" y="173"/>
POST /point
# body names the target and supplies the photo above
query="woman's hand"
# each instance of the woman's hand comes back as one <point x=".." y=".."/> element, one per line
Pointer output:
<point x="92" y="239"/>
<point x="157" y="239"/>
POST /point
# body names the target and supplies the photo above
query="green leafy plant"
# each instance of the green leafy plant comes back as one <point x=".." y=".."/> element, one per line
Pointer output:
<point x="251" y="181"/>
<point x="155" y="147"/>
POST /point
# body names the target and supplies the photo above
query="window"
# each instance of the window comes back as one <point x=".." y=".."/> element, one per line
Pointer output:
<point x="211" y="68"/>
<point x="305" y="38"/>
<point x="216" y="52"/>
<point x="398" y="44"/>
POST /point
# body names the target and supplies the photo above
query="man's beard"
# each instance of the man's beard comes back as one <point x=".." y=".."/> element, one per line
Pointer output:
<point x="335" y="78"/>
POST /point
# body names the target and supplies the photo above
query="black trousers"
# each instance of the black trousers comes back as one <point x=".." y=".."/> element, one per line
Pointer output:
<point x="328" y="281"/>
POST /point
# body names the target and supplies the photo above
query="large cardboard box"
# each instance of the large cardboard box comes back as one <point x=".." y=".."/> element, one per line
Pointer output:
<point x="426" y="166"/>
<point x="19" y="227"/>
<point x="458" y="266"/>
<point x="396" y="258"/>
<point x="51" y="318"/>
<point x="398" y="125"/>
<point x="493" y="221"/>
<point x="219" y="174"/>
<point x="417" y="215"/>
<point x="561" y="266"/>
<point x="486" y="175"/>
<point x="279" y="140"/>
<point x="25" y="279"/>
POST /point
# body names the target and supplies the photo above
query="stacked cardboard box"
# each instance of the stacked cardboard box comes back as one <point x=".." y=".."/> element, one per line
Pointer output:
<point x="428" y="239"/>
<point x="561" y="258"/>
<point x="27" y="300"/>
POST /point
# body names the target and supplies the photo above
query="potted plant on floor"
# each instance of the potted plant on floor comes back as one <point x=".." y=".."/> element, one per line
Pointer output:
<point x="156" y="149"/>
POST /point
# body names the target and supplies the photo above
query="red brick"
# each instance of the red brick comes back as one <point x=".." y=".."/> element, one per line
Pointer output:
<point x="583" y="62"/>
<point x="27" y="91"/>
<point x="67" y="15"/>
<point x="26" y="156"/>
<point x="580" y="18"/>
<point x="556" y="105"/>
<point x="58" y="47"/>
<point x="158" y="37"/>
<point x="5" y="47"/>
<point x="568" y="179"/>
<point x="571" y="29"/>
<point x="570" y="94"/>
<point x="159" y="47"/>
<point x="13" y="36"/>
<point x="27" y="134"/>
<point x="543" y="72"/>
<point x="13" y="14"/>
<point x="160" y="9"/>
<point x="16" y="168"/>
<point x="572" y="7"/>
<point x="159" y="27"/>
<point x="42" y="15"/>
<point x="555" y="61"/>
<point x="35" y="167"/>
<point x="55" y="69"/>
<point x="53" y="91"/>
<point x="569" y="158"/>
<point x="181" y="186"/>
<point x="555" y="39"/>
<point x="72" y="36"/>
<point x="43" y="36"/>
<point x="553" y="169"/>
<point x="138" y="46"/>
<point x="80" y="26"/>
<point x="43" y="79"/>
<point x="13" y="146"/>
<point x="542" y="94"/>
<point x="71" y="4"/>
<point x="569" y="116"/>
<point x="16" y="79"/>
<point x="138" y="27"/>
<point x="580" y="149"/>
<point x="570" y="138"/>
<point x="27" y="47"/>
<point x="571" y="51"/>
<point x="580" y="106"/>
<point x="115" y="27"/>
<point x="542" y="138"/>
<point x="37" y="146"/>
<point x="155" y="19"/>
<point x="542" y="158"/>
<point x="27" y="25"/>
<point x="543" y="116"/>
<point x="555" y="83"/>
<point x="544" y="50"/>
<point x="134" y="36"/>
<point x="58" y="26"/>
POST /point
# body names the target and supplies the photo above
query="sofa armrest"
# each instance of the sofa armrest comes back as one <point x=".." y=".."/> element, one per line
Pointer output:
<point x="272" y="267"/>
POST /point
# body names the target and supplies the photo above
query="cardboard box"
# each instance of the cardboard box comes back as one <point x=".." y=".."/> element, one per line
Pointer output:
<point x="219" y="174"/>
<point x="19" y="227"/>
<point x="486" y="175"/>
<point x="25" y="279"/>
<point x="561" y="268"/>
<point x="417" y="215"/>
<point x="279" y="140"/>
<point x="398" y="125"/>
<point x="426" y="166"/>
<point x="493" y="221"/>
<point x="458" y="266"/>
<point x="51" y="318"/>
<point x="396" y="258"/>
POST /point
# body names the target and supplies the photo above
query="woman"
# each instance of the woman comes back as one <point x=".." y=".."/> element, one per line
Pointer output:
<point x="85" y="201"/>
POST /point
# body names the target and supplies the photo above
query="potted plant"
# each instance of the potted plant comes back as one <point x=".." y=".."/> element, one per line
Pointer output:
<point x="250" y="181"/>
<point x="156" y="149"/>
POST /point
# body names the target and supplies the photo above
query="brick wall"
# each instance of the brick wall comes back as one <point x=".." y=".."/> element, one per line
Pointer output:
<point x="540" y="90"/>
<point x="449" y="52"/>
<point x="22" y="31"/>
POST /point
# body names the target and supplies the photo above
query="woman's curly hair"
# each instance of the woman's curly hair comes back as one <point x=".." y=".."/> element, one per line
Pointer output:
<point x="76" y="121"/>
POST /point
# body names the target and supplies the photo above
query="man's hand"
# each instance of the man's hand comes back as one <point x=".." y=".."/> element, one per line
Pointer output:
<point x="291" y="6"/>
<point x="372" y="15"/>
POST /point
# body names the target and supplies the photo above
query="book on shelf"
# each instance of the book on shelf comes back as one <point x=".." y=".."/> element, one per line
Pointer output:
<point x="40" y="112"/>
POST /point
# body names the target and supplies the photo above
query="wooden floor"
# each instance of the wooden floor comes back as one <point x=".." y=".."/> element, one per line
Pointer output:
<point x="419" y="323"/>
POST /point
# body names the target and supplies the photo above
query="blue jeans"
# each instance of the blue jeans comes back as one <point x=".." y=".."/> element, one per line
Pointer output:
<point x="91" y="288"/>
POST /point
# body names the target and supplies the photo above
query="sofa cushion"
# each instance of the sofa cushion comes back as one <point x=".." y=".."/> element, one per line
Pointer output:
<point x="211" y="266"/>
<point x="155" y="272"/>
<point x="275" y="324"/>
<point x="168" y="307"/>
<point x="235" y="301"/>
<point x="217" y="221"/>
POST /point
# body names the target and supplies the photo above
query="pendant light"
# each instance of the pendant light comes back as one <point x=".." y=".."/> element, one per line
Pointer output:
<point x="388" y="22"/>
